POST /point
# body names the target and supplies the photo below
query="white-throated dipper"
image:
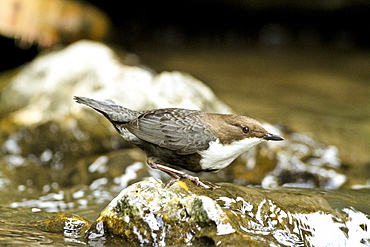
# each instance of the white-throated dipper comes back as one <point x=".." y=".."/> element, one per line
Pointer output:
<point x="193" y="140"/>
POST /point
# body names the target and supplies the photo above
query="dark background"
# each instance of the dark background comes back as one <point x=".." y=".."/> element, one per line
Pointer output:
<point x="330" y="24"/>
<point x="343" y="25"/>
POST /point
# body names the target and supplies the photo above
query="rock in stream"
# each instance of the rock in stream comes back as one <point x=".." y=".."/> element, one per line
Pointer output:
<point x="149" y="213"/>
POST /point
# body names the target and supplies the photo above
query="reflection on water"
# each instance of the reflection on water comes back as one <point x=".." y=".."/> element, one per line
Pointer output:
<point x="18" y="227"/>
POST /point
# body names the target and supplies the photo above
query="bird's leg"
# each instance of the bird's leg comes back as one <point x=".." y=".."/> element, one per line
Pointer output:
<point x="165" y="169"/>
<point x="175" y="173"/>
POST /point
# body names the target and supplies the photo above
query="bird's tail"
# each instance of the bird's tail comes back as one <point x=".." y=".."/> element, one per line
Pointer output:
<point x="114" y="113"/>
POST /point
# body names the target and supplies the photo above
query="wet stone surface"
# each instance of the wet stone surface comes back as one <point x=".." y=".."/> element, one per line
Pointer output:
<point x="149" y="213"/>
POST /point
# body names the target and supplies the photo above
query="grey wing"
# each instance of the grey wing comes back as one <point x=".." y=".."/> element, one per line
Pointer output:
<point x="174" y="129"/>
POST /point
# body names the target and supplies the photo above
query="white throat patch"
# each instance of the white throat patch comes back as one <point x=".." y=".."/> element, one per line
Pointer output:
<point x="218" y="156"/>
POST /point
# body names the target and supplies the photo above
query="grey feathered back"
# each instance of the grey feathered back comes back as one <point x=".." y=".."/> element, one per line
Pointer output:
<point x="176" y="129"/>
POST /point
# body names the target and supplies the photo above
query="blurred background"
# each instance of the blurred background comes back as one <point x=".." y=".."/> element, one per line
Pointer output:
<point x="329" y="24"/>
<point x="339" y="24"/>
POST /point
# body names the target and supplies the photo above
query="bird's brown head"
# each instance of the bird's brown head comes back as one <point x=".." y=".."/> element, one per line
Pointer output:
<point x="231" y="127"/>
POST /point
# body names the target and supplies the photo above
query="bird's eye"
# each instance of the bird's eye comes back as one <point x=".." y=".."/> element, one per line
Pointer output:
<point x="245" y="129"/>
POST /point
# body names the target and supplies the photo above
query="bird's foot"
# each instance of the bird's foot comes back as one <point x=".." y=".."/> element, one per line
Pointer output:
<point x="195" y="180"/>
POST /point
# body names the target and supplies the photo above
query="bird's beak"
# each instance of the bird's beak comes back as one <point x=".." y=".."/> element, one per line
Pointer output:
<point x="272" y="137"/>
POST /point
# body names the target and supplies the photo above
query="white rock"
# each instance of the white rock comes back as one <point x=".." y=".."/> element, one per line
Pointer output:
<point x="44" y="88"/>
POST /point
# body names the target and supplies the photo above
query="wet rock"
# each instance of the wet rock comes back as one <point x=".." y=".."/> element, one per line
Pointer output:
<point x="149" y="213"/>
<point x="70" y="225"/>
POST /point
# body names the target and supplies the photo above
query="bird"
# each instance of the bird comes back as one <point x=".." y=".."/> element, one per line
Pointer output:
<point x="193" y="140"/>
